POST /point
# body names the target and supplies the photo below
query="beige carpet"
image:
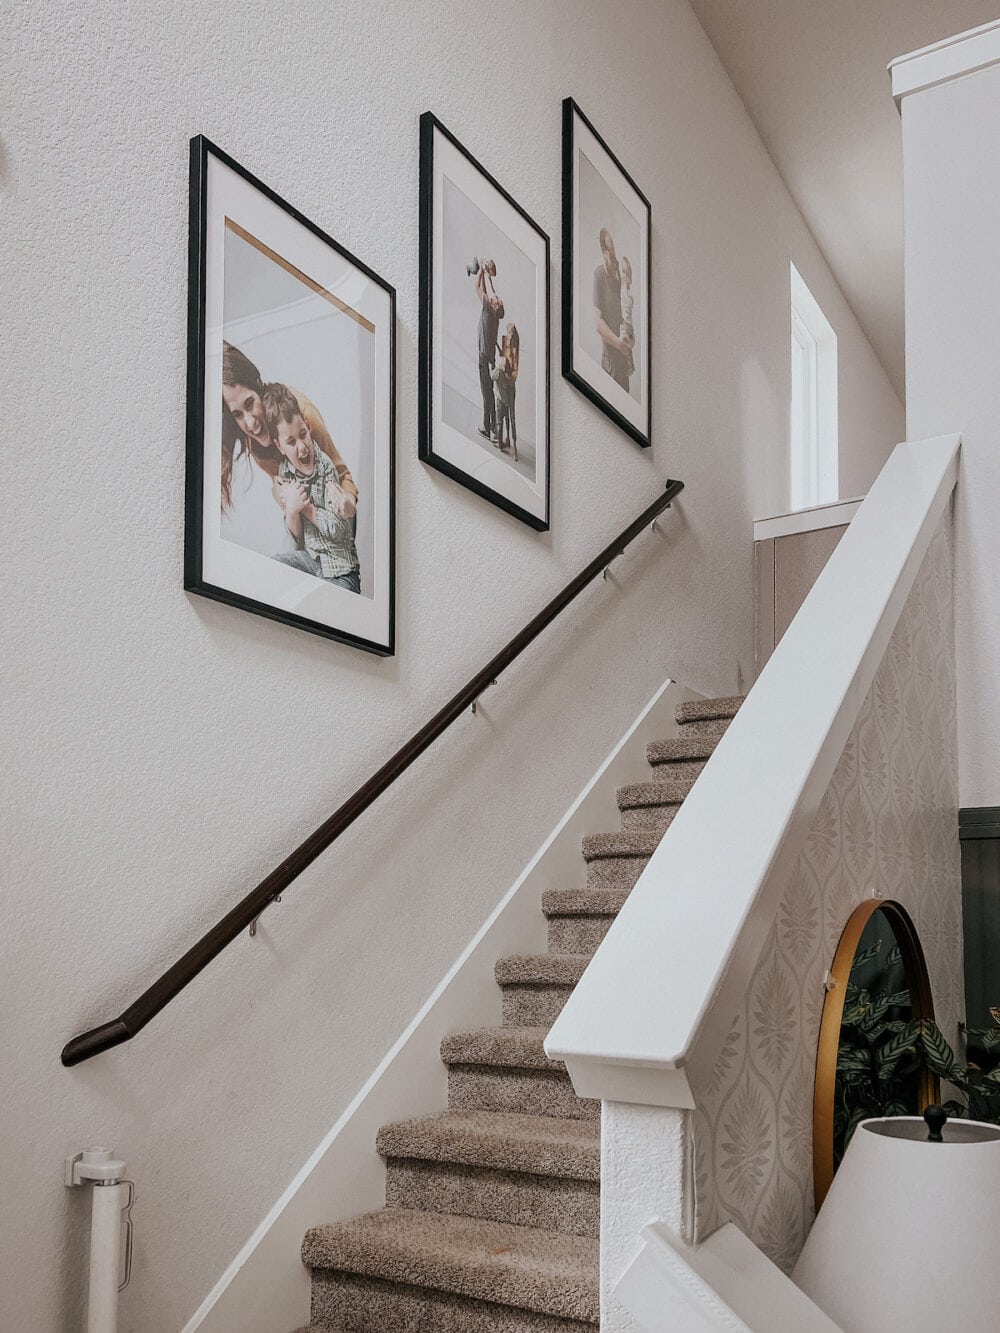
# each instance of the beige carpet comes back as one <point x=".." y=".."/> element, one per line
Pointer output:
<point x="492" y="1212"/>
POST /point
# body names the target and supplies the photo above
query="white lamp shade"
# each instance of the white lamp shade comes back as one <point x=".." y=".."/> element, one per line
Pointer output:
<point x="905" y="1241"/>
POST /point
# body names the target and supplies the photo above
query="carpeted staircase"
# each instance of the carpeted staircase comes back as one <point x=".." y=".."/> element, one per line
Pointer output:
<point x="492" y="1209"/>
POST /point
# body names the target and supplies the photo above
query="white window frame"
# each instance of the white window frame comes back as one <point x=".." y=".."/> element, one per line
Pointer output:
<point x="814" y="434"/>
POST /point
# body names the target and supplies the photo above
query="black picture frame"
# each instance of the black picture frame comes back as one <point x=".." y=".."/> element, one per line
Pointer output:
<point x="440" y="444"/>
<point x="311" y="603"/>
<point x="579" y="366"/>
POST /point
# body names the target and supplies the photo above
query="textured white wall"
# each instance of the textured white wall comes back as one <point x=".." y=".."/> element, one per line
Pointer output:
<point x="951" y="164"/>
<point x="152" y="768"/>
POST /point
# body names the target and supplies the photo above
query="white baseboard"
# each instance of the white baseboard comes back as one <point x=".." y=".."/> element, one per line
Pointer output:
<point x="266" y="1288"/>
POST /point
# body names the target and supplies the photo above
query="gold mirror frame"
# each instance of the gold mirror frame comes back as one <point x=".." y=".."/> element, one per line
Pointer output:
<point x="921" y="1003"/>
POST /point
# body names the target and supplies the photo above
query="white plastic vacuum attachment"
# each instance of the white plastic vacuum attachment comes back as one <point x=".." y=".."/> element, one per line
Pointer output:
<point x="112" y="1196"/>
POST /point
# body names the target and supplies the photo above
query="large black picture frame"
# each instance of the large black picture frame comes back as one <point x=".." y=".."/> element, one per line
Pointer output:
<point x="229" y="205"/>
<point x="594" y="378"/>
<point x="446" y="439"/>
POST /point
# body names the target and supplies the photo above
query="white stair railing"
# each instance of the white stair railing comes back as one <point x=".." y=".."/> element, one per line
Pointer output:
<point x="659" y="997"/>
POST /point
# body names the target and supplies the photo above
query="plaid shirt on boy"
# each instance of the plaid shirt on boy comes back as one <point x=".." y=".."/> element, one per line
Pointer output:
<point x="330" y="540"/>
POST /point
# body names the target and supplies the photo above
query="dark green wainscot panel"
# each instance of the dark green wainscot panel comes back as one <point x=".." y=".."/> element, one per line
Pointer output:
<point x="979" y="830"/>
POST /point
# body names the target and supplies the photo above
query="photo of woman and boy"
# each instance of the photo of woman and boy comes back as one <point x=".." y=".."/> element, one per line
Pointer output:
<point x="289" y="507"/>
<point x="271" y="430"/>
<point x="295" y="362"/>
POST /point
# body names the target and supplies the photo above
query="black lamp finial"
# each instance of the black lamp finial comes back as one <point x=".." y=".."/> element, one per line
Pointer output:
<point x="935" y="1116"/>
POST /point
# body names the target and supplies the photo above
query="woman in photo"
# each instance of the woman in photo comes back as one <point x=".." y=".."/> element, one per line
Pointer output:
<point x="252" y="513"/>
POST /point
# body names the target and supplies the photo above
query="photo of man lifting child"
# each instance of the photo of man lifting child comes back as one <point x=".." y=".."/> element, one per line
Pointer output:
<point x="489" y="311"/>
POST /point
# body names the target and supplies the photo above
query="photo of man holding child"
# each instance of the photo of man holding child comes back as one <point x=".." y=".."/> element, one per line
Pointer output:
<point x="484" y="339"/>
<point x="489" y="316"/>
<point x="608" y="236"/>
<point x="606" y="279"/>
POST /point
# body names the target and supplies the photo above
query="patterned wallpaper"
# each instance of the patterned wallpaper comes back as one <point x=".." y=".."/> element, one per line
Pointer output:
<point x="889" y="824"/>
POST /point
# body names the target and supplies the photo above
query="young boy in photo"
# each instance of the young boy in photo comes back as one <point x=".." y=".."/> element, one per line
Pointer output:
<point x="505" y="377"/>
<point x="319" y="513"/>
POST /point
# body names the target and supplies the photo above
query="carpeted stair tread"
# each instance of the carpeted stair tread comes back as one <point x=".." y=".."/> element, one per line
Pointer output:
<point x="583" y="902"/>
<point x="534" y="1144"/>
<point x="540" y="969"/>
<point x="511" y="1048"/>
<point x="671" y="792"/>
<point x="546" y="1271"/>
<point x="680" y="747"/>
<point x="707" y="710"/>
<point x="625" y="842"/>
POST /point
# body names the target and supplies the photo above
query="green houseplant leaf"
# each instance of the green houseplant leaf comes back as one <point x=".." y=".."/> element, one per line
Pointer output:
<point x="940" y="1056"/>
<point x="891" y="1052"/>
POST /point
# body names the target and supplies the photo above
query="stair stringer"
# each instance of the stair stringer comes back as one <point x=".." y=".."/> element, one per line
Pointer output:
<point x="266" y="1286"/>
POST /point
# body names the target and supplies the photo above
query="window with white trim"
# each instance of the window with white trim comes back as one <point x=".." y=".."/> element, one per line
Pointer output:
<point x="814" y="436"/>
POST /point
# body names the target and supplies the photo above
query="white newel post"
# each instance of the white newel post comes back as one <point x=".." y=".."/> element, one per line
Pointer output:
<point x="643" y="1162"/>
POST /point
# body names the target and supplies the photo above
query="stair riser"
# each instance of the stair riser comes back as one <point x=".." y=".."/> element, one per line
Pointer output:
<point x="533" y="1006"/>
<point x="350" y="1304"/>
<point x="615" y="872"/>
<point x="548" y="1202"/>
<point x="530" y="1091"/>
<point x="567" y="1150"/>
<point x="656" y="818"/>
<point x="577" y="934"/>
<point x="711" y="729"/>
<point x="676" y="768"/>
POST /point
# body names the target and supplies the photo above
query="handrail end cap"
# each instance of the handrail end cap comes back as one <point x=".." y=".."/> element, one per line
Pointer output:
<point x="94" y="1042"/>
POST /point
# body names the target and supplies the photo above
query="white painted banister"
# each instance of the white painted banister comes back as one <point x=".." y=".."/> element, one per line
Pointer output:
<point x="670" y="974"/>
<point x="724" y="1285"/>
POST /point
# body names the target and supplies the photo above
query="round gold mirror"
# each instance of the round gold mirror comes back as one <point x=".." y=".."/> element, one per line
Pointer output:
<point x="864" y="1066"/>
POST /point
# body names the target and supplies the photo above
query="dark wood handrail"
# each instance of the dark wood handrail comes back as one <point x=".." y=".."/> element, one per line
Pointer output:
<point x="159" y="995"/>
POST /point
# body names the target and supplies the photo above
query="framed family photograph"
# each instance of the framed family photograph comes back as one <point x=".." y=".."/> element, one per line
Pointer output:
<point x="291" y="414"/>
<point x="606" y="279"/>
<point x="484" y="332"/>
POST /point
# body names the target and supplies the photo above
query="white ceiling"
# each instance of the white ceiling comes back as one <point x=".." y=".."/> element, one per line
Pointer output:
<point x="813" y="78"/>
